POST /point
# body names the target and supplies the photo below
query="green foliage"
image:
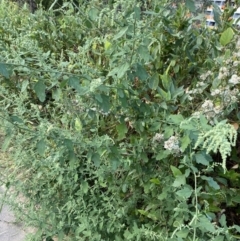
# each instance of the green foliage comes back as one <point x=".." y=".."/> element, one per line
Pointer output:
<point x="111" y="114"/>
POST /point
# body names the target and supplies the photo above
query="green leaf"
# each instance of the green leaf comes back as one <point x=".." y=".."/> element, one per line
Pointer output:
<point x="122" y="130"/>
<point x="84" y="186"/>
<point x="56" y="94"/>
<point x="176" y="119"/>
<point x="144" y="53"/>
<point x="39" y="89"/>
<point x="185" y="141"/>
<point x="183" y="233"/>
<point x="93" y="14"/>
<point x="155" y="181"/>
<point x="223" y="221"/>
<point x="179" y="181"/>
<point x="141" y="72"/>
<point x="3" y="70"/>
<point x="163" y="154"/>
<point x="219" y="238"/>
<point x="190" y="4"/>
<point x="226" y="36"/>
<point x="176" y="172"/>
<point x="6" y="143"/>
<point x="201" y="158"/>
<point x="121" y="33"/>
<point x="96" y="159"/>
<point x="211" y="182"/>
<point x="122" y="70"/>
<point x="78" y="125"/>
<point x="24" y="85"/>
<point x="204" y="223"/>
<point x="154" y="82"/>
<point x="166" y="81"/>
<point x="41" y="147"/>
<point x="185" y="193"/>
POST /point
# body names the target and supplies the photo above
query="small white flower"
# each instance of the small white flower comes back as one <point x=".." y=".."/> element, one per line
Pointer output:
<point x="208" y="105"/>
<point x="234" y="79"/>
<point x="158" y="137"/>
<point x="172" y="144"/>
<point x="215" y="92"/>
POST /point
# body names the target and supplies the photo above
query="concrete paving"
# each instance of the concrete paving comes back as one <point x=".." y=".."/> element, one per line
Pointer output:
<point x="10" y="230"/>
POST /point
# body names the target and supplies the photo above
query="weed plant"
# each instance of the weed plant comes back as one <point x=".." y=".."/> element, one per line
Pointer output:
<point x="121" y="120"/>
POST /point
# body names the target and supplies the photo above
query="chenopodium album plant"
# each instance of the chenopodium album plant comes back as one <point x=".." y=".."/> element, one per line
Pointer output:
<point x="101" y="124"/>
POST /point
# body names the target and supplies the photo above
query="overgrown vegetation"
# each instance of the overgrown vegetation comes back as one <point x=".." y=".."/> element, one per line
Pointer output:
<point x="121" y="121"/>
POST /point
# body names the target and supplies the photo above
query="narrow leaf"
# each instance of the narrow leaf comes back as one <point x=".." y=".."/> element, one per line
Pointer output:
<point x="3" y="70"/>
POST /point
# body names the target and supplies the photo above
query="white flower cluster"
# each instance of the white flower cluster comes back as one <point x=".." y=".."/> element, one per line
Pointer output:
<point x="200" y="87"/>
<point x="158" y="137"/>
<point x="234" y="80"/>
<point x="226" y="95"/>
<point x="223" y="73"/>
<point x="204" y="76"/>
<point x="172" y="144"/>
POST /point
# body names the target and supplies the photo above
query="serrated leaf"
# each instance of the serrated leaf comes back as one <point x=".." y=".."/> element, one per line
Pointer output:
<point x="96" y="159"/>
<point x="179" y="181"/>
<point x="176" y="172"/>
<point x="41" y="147"/>
<point x="121" y="33"/>
<point x="200" y="158"/>
<point x="226" y="36"/>
<point x="40" y="89"/>
<point x="56" y="94"/>
<point x="154" y="82"/>
<point x="3" y="71"/>
<point x="185" y="193"/>
<point x="211" y="182"/>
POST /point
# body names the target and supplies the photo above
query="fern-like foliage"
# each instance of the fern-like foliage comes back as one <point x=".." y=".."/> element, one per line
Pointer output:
<point x="220" y="138"/>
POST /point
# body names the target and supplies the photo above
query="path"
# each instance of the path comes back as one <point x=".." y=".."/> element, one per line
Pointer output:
<point x="9" y="229"/>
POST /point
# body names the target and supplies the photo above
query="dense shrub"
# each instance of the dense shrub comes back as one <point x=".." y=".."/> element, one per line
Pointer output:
<point x="121" y="121"/>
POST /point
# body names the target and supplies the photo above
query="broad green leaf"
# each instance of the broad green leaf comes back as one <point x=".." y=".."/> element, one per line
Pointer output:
<point x="163" y="154"/>
<point x="105" y="105"/>
<point x="180" y="180"/>
<point x="154" y="82"/>
<point x="155" y="181"/>
<point x="200" y="158"/>
<point x="24" y="85"/>
<point x="190" y="4"/>
<point x="122" y="70"/>
<point x="185" y="141"/>
<point x="40" y="89"/>
<point x="166" y="81"/>
<point x="144" y="53"/>
<point x="176" y="119"/>
<point x="96" y="159"/>
<point x="78" y="125"/>
<point x="121" y="33"/>
<point x="141" y="72"/>
<point x="185" y="193"/>
<point x="74" y="83"/>
<point x="219" y="238"/>
<point x="211" y="182"/>
<point x="84" y="186"/>
<point x="223" y="221"/>
<point x="3" y="70"/>
<point x="217" y="14"/>
<point x="122" y="130"/>
<point x="204" y="223"/>
<point x="41" y="147"/>
<point x="16" y="119"/>
<point x="176" y="172"/>
<point x="183" y="233"/>
<point x="226" y="36"/>
<point x="56" y="94"/>
<point x="93" y="14"/>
